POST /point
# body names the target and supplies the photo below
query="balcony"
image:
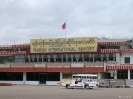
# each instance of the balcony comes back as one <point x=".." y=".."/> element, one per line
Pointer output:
<point x="7" y="65"/>
<point x="96" y="64"/>
<point x="111" y="63"/>
<point x="67" y="64"/>
<point x="20" y="65"/>
<point x="38" y="65"/>
<point x="77" y="64"/>
<point x="52" y="65"/>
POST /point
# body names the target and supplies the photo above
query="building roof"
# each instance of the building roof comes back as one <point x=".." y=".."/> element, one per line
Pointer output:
<point x="114" y="40"/>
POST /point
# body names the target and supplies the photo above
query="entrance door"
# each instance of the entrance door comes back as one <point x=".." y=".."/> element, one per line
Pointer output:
<point x="42" y="78"/>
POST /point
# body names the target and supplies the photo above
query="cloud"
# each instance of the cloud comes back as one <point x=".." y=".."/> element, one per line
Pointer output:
<point x="23" y="20"/>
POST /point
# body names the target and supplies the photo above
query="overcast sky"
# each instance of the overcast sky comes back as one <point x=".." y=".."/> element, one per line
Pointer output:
<point x="22" y="20"/>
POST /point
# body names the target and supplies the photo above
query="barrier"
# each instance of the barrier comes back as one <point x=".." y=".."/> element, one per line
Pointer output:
<point x="115" y="83"/>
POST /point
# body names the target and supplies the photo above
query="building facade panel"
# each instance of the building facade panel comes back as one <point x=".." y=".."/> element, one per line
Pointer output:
<point x="58" y="64"/>
<point x="113" y="59"/>
<point x="91" y="64"/>
<point x="20" y="65"/>
<point x="126" y="55"/>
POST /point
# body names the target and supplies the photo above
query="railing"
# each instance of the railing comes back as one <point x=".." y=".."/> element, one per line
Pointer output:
<point x="5" y="65"/>
<point x="38" y="65"/>
<point x="18" y="65"/>
<point x="105" y="83"/>
<point x="58" y="64"/>
<point x="44" y="64"/>
<point x="111" y="63"/>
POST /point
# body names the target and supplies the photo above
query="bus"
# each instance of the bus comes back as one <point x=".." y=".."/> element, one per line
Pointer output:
<point x="85" y="76"/>
<point x="90" y="77"/>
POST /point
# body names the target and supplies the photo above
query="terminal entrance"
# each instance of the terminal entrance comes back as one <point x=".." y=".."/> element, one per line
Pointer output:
<point x="42" y="78"/>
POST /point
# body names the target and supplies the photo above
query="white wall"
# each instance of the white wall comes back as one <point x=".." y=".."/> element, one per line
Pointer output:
<point x="51" y="82"/>
<point x="21" y="82"/>
<point x="124" y="47"/>
<point x="37" y="82"/>
<point x="77" y="64"/>
<point x="12" y="82"/>
<point x="118" y="60"/>
<point x="126" y="55"/>
<point x="32" y="82"/>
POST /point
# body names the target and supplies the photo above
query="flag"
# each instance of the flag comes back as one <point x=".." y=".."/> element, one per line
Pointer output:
<point x="64" y="26"/>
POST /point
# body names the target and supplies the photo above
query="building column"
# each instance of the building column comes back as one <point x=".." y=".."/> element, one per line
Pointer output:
<point x="19" y="49"/>
<point x="24" y="77"/>
<point x="115" y="74"/>
<point x="61" y="76"/>
<point x="99" y="76"/>
<point x="118" y="60"/>
<point x="93" y="57"/>
<point x="104" y="65"/>
<point x="128" y="73"/>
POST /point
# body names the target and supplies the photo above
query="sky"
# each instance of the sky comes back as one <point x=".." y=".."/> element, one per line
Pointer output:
<point x="22" y="20"/>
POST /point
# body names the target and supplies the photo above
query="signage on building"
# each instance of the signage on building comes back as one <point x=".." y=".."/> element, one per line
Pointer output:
<point x="119" y="67"/>
<point x="82" y="44"/>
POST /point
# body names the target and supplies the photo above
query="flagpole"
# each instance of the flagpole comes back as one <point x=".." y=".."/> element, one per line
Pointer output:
<point x="65" y="30"/>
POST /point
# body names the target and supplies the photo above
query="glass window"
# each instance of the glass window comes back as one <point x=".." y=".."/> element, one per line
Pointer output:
<point x="131" y="74"/>
<point x="122" y="74"/>
<point x="11" y="76"/>
<point x="127" y="60"/>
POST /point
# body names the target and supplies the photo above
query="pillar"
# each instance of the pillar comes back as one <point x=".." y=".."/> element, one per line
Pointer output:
<point x="24" y="77"/>
<point x="99" y="75"/>
<point x="104" y="64"/>
<point x="128" y="73"/>
<point x="115" y="74"/>
<point x="61" y="76"/>
<point x="93" y="57"/>
<point x="118" y="58"/>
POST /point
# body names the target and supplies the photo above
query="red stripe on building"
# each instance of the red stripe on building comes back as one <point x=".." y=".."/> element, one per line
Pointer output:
<point x="21" y="69"/>
<point x="64" y="69"/>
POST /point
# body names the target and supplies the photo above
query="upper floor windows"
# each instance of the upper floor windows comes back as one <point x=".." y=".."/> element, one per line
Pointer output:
<point x="127" y="60"/>
<point x="110" y="47"/>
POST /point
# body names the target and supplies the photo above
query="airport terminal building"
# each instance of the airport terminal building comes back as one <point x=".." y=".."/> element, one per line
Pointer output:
<point x="47" y="61"/>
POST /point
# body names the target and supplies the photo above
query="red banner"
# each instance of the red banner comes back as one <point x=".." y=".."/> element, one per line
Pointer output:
<point x="119" y="67"/>
<point x="13" y="53"/>
<point x="21" y="69"/>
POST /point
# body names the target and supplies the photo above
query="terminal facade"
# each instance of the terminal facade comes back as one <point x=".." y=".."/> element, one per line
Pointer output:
<point x="47" y="61"/>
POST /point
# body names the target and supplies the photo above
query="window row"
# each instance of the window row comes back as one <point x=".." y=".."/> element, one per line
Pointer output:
<point x="67" y="60"/>
<point x="11" y="76"/>
<point x="65" y="56"/>
<point x="49" y="76"/>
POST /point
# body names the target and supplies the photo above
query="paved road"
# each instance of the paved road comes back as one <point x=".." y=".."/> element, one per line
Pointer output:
<point x="57" y="92"/>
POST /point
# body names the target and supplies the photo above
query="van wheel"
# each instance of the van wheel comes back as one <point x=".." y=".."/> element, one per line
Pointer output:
<point x="87" y="87"/>
<point x="68" y="86"/>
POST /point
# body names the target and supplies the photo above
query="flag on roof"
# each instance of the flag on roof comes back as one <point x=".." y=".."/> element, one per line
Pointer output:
<point x="64" y="26"/>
